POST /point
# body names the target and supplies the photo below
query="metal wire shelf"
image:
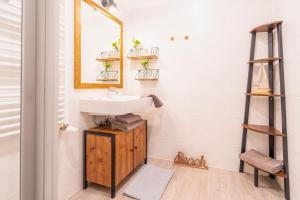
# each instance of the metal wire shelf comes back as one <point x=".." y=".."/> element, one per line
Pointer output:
<point x="112" y="75"/>
<point x="108" y="56"/>
<point x="147" y="75"/>
<point x="141" y="53"/>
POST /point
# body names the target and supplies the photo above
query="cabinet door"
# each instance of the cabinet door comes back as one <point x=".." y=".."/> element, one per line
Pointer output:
<point x="124" y="155"/>
<point x="139" y="145"/>
<point x="98" y="159"/>
<point x="90" y="158"/>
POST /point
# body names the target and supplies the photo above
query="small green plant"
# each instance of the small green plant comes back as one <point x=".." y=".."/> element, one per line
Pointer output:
<point x="107" y="66"/>
<point x="136" y="43"/>
<point x="116" y="45"/>
<point x="145" y="64"/>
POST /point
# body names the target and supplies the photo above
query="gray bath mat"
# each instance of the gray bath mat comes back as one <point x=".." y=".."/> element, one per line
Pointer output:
<point x="149" y="184"/>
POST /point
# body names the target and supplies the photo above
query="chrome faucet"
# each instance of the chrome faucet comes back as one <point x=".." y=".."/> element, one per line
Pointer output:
<point x="110" y="90"/>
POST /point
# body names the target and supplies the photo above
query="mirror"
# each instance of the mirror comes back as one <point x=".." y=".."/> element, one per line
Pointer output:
<point x="98" y="47"/>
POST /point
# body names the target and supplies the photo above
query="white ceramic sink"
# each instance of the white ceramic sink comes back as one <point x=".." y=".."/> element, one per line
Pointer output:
<point x="116" y="105"/>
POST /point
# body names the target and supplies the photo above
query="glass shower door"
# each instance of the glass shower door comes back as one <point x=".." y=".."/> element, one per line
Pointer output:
<point x="10" y="97"/>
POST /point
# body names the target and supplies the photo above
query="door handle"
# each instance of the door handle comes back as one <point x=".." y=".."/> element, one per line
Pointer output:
<point x="63" y="126"/>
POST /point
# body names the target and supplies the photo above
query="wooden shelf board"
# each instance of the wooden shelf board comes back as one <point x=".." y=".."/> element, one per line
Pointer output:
<point x="263" y="129"/>
<point x="264" y="60"/>
<point x="106" y="79"/>
<point x="108" y="59"/>
<point x="147" y="79"/>
<point x="142" y="57"/>
<point x="264" y="95"/>
<point x="281" y="174"/>
<point x="266" y="27"/>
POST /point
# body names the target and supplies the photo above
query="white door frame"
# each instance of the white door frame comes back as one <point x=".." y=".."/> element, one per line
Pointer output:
<point x="46" y="86"/>
<point x="28" y="133"/>
<point x="39" y="130"/>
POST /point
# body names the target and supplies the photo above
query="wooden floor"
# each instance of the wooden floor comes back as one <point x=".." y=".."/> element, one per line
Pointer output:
<point x="196" y="184"/>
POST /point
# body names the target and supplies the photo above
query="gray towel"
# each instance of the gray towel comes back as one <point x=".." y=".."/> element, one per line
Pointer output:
<point x="128" y="118"/>
<point x="157" y="102"/>
<point x="115" y="124"/>
<point x="262" y="161"/>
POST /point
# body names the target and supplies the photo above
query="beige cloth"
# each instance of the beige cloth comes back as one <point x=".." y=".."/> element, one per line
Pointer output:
<point x="262" y="161"/>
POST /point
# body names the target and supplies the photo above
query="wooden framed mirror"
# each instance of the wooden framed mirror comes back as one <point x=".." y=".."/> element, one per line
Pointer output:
<point x="98" y="52"/>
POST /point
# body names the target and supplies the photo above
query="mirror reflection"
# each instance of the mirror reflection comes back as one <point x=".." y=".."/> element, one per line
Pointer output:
<point x="101" y="48"/>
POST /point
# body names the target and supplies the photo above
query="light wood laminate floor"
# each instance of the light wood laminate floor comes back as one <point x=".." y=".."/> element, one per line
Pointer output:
<point x="196" y="184"/>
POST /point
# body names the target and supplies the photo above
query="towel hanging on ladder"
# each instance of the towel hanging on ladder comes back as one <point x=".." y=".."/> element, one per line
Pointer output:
<point x="263" y="87"/>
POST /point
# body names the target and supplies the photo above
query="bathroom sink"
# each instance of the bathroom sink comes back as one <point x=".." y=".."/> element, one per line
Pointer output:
<point x="115" y="105"/>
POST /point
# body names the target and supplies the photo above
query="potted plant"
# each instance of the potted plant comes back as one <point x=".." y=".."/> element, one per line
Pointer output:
<point x="116" y="45"/>
<point x="107" y="66"/>
<point x="145" y="64"/>
<point x="136" y="43"/>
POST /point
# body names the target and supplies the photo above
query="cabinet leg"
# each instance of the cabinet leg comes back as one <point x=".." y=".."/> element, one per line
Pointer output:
<point x="85" y="184"/>
<point x="113" y="167"/>
<point x="145" y="161"/>
<point x="256" y="177"/>
<point x="113" y="192"/>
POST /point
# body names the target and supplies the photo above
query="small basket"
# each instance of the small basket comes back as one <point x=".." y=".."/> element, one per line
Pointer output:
<point x="112" y="75"/>
<point x="109" y="54"/>
<point x="153" y="52"/>
<point x="147" y="74"/>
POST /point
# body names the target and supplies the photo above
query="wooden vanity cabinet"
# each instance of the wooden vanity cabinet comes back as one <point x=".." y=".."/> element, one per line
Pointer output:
<point x="111" y="155"/>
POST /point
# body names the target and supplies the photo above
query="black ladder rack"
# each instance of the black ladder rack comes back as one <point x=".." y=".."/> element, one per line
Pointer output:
<point x="270" y="129"/>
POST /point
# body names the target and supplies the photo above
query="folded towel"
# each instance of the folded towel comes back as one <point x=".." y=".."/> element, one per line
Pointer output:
<point x="262" y="161"/>
<point x="157" y="102"/>
<point x="128" y="118"/>
<point x="115" y="124"/>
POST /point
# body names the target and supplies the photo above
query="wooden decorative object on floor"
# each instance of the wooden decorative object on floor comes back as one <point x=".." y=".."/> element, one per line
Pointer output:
<point x="182" y="160"/>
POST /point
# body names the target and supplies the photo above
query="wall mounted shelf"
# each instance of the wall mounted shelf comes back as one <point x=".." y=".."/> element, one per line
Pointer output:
<point x="108" y="59"/>
<point x="109" y="56"/>
<point x="147" y="75"/>
<point x="108" y="76"/>
<point x="143" y="54"/>
<point x="148" y="57"/>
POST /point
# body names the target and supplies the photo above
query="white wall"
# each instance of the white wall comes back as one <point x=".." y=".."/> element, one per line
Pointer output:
<point x="202" y="83"/>
<point x="202" y="80"/>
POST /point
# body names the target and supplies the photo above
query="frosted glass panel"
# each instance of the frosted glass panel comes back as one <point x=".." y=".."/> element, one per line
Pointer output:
<point x="10" y="95"/>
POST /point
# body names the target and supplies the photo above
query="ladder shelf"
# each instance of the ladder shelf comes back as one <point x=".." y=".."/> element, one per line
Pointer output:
<point x="259" y="161"/>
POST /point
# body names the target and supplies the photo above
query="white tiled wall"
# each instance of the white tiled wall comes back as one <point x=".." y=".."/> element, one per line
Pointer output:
<point x="203" y="79"/>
